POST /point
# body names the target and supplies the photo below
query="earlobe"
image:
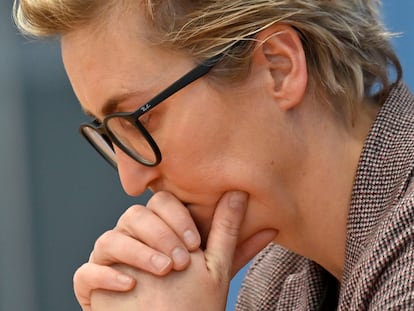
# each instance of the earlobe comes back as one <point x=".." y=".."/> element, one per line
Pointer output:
<point x="281" y="50"/>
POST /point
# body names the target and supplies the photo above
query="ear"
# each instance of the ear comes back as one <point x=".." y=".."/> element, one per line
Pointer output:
<point x="281" y="57"/>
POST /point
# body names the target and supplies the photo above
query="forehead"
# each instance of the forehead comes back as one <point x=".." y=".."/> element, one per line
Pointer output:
<point x="115" y="58"/>
<point x="112" y="32"/>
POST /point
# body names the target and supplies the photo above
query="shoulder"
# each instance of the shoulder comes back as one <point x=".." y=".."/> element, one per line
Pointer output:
<point x="383" y="277"/>
<point x="279" y="279"/>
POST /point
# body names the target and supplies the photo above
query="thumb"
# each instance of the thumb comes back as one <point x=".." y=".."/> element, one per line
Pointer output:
<point x="224" y="232"/>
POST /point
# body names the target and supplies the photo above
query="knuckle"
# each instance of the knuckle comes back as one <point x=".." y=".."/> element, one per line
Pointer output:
<point x="228" y="226"/>
<point x="158" y="198"/>
<point x="77" y="276"/>
<point x="91" y="257"/>
<point x="131" y="214"/>
<point x="105" y="240"/>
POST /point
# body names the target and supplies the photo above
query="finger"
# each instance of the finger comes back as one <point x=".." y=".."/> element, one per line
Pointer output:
<point x="250" y="248"/>
<point x="224" y="231"/>
<point x="177" y="216"/>
<point x="116" y="247"/>
<point x="91" y="276"/>
<point x="144" y="225"/>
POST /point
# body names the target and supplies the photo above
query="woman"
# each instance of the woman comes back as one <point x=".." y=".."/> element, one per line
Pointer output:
<point x="276" y="129"/>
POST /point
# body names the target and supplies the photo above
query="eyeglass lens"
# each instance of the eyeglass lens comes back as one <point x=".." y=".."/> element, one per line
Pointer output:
<point x="131" y="138"/>
<point x="101" y="143"/>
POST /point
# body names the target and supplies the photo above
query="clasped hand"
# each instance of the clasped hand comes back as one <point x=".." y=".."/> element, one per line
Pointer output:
<point x="152" y="259"/>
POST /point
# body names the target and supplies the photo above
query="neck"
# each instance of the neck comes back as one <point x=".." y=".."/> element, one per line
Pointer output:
<point x="321" y="190"/>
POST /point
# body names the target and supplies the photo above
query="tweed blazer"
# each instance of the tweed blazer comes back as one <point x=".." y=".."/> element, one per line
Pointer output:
<point x="379" y="261"/>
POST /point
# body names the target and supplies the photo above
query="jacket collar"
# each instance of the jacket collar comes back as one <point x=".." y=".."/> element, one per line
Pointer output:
<point x="384" y="170"/>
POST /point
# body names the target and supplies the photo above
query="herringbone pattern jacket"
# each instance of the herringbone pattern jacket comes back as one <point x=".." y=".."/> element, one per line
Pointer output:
<point x="379" y="264"/>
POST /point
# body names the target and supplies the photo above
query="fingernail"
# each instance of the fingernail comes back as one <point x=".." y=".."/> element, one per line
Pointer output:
<point x="191" y="239"/>
<point x="180" y="256"/>
<point x="238" y="199"/>
<point x="160" y="262"/>
<point x="124" y="279"/>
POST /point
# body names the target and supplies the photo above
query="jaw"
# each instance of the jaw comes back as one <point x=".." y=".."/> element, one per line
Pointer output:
<point x="257" y="219"/>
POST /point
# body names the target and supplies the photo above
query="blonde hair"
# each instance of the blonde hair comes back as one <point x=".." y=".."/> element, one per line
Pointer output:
<point x="347" y="47"/>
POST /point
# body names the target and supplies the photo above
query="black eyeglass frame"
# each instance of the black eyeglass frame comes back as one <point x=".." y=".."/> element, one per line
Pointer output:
<point x="133" y="117"/>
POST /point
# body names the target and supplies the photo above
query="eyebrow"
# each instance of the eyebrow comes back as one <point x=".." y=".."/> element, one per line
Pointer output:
<point x="112" y="103"/>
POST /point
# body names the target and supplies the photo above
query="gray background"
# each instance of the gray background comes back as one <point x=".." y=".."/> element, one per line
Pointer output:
<point x="56" y="196"/>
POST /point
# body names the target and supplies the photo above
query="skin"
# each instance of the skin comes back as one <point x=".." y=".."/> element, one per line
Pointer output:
<point x="293" y="157"/>
<point x="204" y="283"/>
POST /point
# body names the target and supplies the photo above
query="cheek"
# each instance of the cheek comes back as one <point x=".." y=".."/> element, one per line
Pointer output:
<point x="195" y="140"/>
<point x="196" y="163"/>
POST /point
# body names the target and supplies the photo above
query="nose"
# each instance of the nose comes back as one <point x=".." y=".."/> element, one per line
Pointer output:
<point x="135" y="177"/>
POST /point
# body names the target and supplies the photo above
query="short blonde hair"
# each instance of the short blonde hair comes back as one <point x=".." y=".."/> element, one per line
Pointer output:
<point x="346" y="45"/>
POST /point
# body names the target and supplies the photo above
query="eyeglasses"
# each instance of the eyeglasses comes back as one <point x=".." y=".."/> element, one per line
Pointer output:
<point x="126" y="129"/>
